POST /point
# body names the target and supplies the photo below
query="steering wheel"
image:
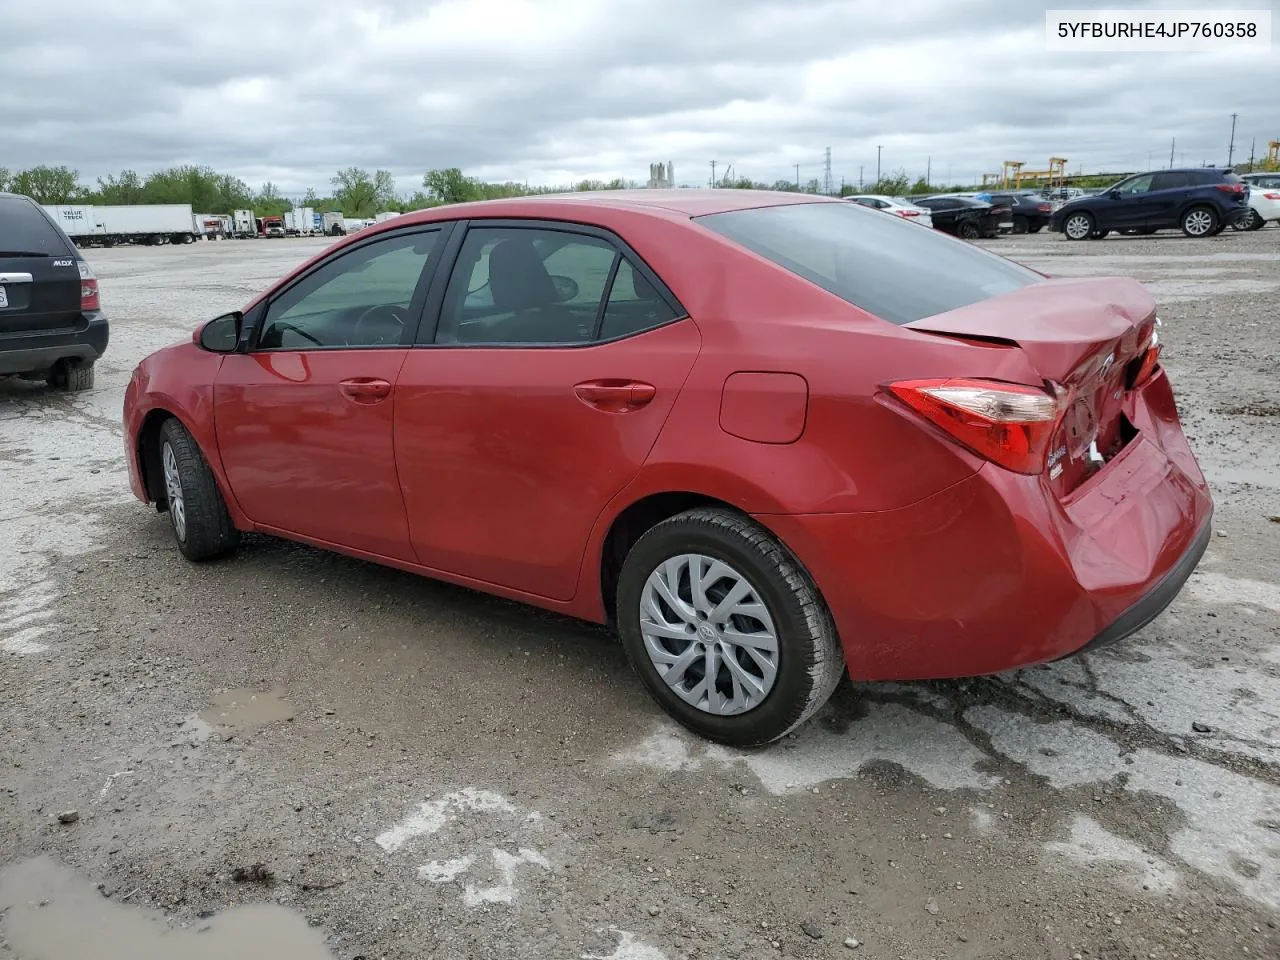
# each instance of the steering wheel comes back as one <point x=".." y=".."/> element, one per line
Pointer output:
<point x="381" y="324"/>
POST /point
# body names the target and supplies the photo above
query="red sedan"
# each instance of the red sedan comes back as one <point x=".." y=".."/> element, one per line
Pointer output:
<point x="770" y="436"/>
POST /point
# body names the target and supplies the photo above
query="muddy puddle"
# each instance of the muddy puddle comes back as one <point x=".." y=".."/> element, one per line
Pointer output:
<point x="47" y="912"/>
<point x="244" y="711"/>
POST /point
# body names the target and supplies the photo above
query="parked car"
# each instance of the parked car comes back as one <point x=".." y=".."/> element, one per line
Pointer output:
<point x="1202" y="202"/>
<point x="1264" y="201"/>
<point x="1030" y="211"/>
<point x="51" y="322"/>
<point x="967" y="217"/>
<point x="768" y="436"/>
<point x="898" y="206"/>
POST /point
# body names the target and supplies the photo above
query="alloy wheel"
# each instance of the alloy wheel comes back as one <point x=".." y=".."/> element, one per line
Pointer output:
<point x="1198" y="223"/>
<point x="1078" y="227"/>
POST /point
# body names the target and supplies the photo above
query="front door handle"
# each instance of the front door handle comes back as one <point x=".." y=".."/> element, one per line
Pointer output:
<point x="366" y="389"/>
<point x="615" y="396"/>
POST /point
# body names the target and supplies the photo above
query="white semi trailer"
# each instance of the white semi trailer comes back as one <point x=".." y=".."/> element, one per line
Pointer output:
<point x="147" y="223"/>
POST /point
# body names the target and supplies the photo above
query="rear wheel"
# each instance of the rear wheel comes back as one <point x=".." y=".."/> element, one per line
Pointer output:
<point x="197" y="513"/>
<point x="1199" y="222"/>
<point x="71" y="376"/>
<point x="1021" y="225"/>
<point x="1078" y="226"/>
<point x="968" y="231"/>
<point x="726" y="630"/>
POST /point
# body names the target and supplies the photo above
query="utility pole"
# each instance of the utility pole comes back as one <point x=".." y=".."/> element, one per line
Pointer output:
<point x="713" y="173"/>
<point x="1252" y="146"/>
<point x="1231" y="148"/>
<point x="826" y="173"/>
<point x="878" y="149"/>
<point x="859" y="178"/>
<point x="928" y="170"/>
<point x="1172" y="142"/>
<point x="797" y="178"/>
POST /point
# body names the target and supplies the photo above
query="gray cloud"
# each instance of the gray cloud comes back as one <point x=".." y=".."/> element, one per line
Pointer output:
<point x="564" y="89"/>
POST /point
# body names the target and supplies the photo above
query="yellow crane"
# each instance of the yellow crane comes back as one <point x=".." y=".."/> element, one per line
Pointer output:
<point x="1011" y="173"/>
<point x="1273" y="155"/>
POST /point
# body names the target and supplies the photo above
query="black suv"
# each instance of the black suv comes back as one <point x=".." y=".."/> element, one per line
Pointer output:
<point x="51" y="322"/>
<point x="1202" y="202"/>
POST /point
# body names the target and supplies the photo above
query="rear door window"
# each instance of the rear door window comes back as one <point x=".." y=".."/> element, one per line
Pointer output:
<point x="25" y="230"/>
<point x="887" y="266"/>
<point x="1170" y="181"/>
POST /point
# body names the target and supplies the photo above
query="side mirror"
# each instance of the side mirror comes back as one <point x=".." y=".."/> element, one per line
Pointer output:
<point x="221" y="334"/>
<point x="1113" y="194"/>
<point x="566" y="287"/>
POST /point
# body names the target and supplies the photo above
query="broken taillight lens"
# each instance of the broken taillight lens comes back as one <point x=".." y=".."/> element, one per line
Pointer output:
<point x="1150" y="360"/>
<point x="1009" y="424"/>
<point x="89" y="298"/>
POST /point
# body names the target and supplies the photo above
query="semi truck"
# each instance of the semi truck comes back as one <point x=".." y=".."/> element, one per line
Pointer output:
<point x="333" y="223"/>
<point x="300" y="222"/>
<point x="146" y="223"/>
<point x="243" y="224"/>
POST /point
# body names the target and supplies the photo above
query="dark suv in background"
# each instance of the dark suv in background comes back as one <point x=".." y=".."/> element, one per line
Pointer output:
<point x="51" y="322"/>
<point x="1202" y="202"/>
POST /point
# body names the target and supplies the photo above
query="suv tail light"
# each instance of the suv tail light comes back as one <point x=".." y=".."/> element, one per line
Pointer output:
<point x="89" y="299"/>
<point x="1044" y="207"/>
<point x="1007" y="423"/>
<point x="1230" y="187"/>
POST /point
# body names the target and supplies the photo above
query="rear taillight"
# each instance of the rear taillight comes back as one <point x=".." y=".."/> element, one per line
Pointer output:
<point x="1272" y="196"/>
<point x="1044" y="207"/>
<point x="1149" y="361"/>
<point x="1230" y="187"/>
<point x="908" y="213"/>
<point x="89" y="299"/>
<point x="1007" y="423"/>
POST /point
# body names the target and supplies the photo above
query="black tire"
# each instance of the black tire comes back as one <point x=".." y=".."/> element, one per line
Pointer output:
<point x="1021" y="225"/>
<point x="1036" y="229"/>
<point x="1255" y="221"/>
<point x="810" y="660"/>
<point x="1079" y="226"/>
<point x="71" y="376"/>
<point x="968" y="230"/>
<point x="1200" y="222"/>
<point x="201" y="525"/>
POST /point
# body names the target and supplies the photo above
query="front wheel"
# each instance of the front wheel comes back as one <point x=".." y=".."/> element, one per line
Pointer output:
<point x="197" y="513"/>
<point x="1199" y="222"/>
<point x="726" y="630"/>
<point x="1078" y="226"/>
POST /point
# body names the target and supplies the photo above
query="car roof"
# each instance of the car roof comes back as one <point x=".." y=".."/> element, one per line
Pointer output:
<point x="695" y="202"/>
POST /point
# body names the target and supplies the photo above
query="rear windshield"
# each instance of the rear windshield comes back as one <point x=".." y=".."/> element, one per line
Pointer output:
<point x="888" y="266"/>
<point x="24" y="229"/>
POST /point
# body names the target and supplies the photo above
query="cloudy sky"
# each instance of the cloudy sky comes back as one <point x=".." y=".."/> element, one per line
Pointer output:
<point x="551" y="91"/>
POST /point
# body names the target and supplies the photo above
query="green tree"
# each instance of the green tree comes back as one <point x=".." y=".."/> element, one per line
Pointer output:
<point x="450" y="185"/>
<point x="4" y="179"/>
<point x="310" y="200"/>
<point x="124" y="189"/>
<point x="357" y="194"/>
<point x="269" y="203"/>
<point x="46" y="184"/>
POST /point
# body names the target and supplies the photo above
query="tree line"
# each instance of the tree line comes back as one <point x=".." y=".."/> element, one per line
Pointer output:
<point x="358" y="193"/>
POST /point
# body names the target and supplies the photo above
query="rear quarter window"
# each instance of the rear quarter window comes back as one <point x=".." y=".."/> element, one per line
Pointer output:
<point x="884" y="265"/>
<point x="24" y="229"/>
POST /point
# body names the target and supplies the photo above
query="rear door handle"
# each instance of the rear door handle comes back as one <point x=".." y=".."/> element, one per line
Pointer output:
<point x="615" y="395"/>
<point x="366" y="389"/>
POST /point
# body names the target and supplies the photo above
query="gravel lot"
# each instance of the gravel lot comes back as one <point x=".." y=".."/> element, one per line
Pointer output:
<point x="293" y="754"/>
